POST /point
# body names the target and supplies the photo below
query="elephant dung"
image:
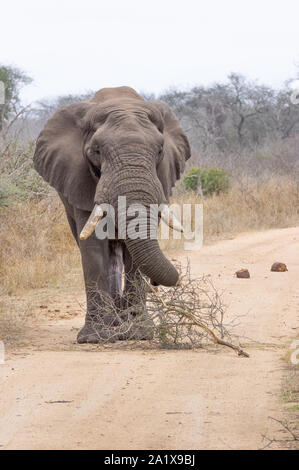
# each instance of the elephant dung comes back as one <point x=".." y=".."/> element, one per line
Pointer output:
<point x="243" y="274"/>
<point x="279" y="267"/>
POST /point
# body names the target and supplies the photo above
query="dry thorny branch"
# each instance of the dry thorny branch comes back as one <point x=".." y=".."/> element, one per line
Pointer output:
<point x="291" y="441"/>
<point x="188" y="315"/>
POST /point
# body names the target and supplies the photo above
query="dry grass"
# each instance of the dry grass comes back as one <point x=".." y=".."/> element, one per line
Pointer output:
<point x="37" y="248"/>
<point x="249" y="205"/>
<point x="253" y="205"/>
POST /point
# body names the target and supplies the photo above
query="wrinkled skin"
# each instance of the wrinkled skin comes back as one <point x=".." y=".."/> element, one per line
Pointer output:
<point x="115" y="144"/>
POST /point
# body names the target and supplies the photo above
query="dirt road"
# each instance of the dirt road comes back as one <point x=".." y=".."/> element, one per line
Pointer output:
<point x="55" y="394"/>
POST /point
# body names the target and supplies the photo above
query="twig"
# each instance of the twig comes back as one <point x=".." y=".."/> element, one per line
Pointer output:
<point x="193" y="321"/>
<point x="286" y="426"/>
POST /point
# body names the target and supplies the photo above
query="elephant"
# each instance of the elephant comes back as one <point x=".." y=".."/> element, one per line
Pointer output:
<point x="92" y="152"/>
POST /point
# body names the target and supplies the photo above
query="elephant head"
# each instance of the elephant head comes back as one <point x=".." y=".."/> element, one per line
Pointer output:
<point x="116" y="144"/>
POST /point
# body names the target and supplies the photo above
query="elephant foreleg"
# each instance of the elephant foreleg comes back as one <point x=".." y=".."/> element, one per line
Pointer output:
<point x="134" y="296"/>
<point x="138" y="324"/>
<point x="95" y="263"/>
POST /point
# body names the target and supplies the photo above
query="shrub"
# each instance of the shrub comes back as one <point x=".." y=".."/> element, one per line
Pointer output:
<point x="191" y="178"/>
<point x="18" y="179"/>
<point x="213" y="180"/>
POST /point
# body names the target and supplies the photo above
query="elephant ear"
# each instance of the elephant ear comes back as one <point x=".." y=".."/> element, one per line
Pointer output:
<point x="176" y="149"/>
<point x="59" y="156"/>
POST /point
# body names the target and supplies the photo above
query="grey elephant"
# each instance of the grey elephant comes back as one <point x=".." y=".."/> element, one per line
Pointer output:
<point x="92" y="152"/>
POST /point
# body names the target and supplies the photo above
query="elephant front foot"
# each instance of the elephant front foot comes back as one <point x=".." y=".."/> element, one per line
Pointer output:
<point x="95" y="334"/>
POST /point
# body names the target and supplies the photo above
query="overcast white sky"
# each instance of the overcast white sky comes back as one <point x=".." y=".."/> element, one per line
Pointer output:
<point x="70" y="46"/>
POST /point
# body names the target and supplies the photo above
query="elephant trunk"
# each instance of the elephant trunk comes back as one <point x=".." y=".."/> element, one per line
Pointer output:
<point x="144" y="250"/>
<point x="149" y="258"/>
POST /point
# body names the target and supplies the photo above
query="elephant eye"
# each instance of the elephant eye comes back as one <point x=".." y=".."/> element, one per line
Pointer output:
<point x="160" y="154"/>
<point x="96" y="150"/>
<point x="95" y="155"/>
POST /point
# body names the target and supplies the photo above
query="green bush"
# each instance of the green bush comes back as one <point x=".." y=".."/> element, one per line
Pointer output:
<point x="191" y="178"/>
<point x="213" y="180"/>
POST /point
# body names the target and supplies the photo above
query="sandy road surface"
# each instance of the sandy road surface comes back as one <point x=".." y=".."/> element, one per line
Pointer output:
<point x="55" y="394"/>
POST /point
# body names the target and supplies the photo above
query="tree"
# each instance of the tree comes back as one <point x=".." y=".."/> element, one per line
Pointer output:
<point x="44" y="109"/>
<point x="13" y="80"/>
<point x="237" y="116"/>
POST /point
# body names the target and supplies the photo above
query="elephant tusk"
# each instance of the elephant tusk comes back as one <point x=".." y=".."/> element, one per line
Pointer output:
<point x="89" y="227"/>
<point x="169" y="218"/>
